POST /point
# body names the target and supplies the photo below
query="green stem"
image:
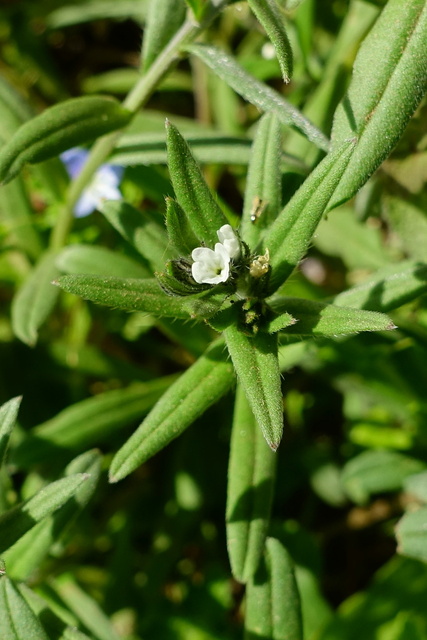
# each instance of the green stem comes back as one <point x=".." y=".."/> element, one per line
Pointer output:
<point x="137" y="98"/>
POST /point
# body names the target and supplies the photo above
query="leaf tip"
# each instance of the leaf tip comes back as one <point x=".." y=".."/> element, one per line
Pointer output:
<point x="391" y="326"/>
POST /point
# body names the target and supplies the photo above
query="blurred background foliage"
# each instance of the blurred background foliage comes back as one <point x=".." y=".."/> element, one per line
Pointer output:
<point x="147" y="557"/>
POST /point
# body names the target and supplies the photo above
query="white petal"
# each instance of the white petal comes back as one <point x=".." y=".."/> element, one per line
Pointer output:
<point x="228" y="237"/>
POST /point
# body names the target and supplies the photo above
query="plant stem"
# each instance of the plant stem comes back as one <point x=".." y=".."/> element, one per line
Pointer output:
<point x="137" y="97"/>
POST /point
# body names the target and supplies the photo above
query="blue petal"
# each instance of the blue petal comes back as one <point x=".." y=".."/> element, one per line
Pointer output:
<point x="74" y="160"/>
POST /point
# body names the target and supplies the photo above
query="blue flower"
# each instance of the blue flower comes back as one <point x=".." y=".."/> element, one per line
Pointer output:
<point x="104" y="184"/>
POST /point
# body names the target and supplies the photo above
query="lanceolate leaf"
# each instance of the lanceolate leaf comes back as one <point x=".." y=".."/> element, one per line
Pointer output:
<point x="256" y="362"/>
<point x="389" y="80"/>
<point x="140" y="230"/>
<point x="17" y="521"/>
<point x="193" y="194"/>
<point x="389" y="288"/>
<point x="411" y="532"/>
<point x="17" y="620"/>
<point x="85" y="259"/>
<point x="139" y="295"/>
<point x="251" y="473"/>
<point x="257" y="92"/>
<point x="273" y="608"/>
<point x="8" y="414"/>
<point x="263" y="186"/>
<point x="35" y="299"/>
<point x="60" y="127"/>
<point x="29" y="551"/>
<point x="180" y="233"/>
<point x="319" y="319"/>
<point x="269" y="16"/>
<point x="163" y="20"/>
<point x="89" y="422"/>
<point x="194" y="392"/>
<point x="289" y="236"/>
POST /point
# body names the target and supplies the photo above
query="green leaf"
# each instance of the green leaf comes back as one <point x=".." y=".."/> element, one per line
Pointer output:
<point x="26" y="555"/>
<point x="389" y="288"/>
<point x="411" y="533"/>
<point x="140" y="230"/>
<point x="207" y="380"/>
<point x="263" y="185"/>
<point x="256" y="362"/>
<point x="17" y="620"/>
<point x="273" y="607"/>
<point x="268" y="14"/>
<point x="319" y="319"/>
<point x="16" y="522"/>
<point x="18" y="218"/>
<point x="54" y="625"/>
<point x="35" y="299"/>
<point x="193" y="194"/>
<point x="207" y="147"/>
<point x="84" y="259"/>
<point x="409" y="223"/>
<point x="289" y="236"/>
<point x="68" y="15"/>
<point x="251" y="475"/>
<point x="85" y="608"/>
<point x="179" y="231"/>
<point x="8" y="414"/>
<point x="163" y="21"/>
<point x="360" y="246"/>
<point x="140" y="295"/>
<point x="280" y="322"/>
<point x="89" y="422"/>
<point x="389" y="80"/>
<point x="376" y="471"/>
<point x="257" y="92"/>
<point x="67" y="124"/>
<point x="416" y="486"/>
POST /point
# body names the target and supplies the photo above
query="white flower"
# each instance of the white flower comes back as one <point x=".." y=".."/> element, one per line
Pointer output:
<point x="228" y="238"/>
<point x="210" y="267"/>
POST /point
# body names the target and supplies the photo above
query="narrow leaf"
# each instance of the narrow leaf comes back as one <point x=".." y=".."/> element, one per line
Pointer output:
<point x="140" y="230"/>
<point x="263" y="186"/>
<point x="251" y="474"/>
<point x="17" y="521"/>
<point x="35" y="299"/>
<point x="8" y="414"/>
<point x="85" y="608"/>
<point x="319" y="319"/>
<point x="257" y="367"/>
<point x="257" y="92"/>
<point x="376" y="471"/>
<point x="179" y="231"/>
<point x="273" y="608"/>
<point x="89" y="422"/>
<point x="389" y="80"/>
<point x="268" y="14"/>
<point x="389" y="288"/>
<point x="193" y="194"/>
<point x="18" y="218"/>
<point x="163" y="20"/>
<point x="29" y="551"/>
<point x="289" y="236"/>
<point x="411" y="533"/>
<point x="58" y="128"/>
<point x="207" y="380"/>
<point x="17" y="620"/>
<point x="84" y="259"/>
<point x="140" y="295"/>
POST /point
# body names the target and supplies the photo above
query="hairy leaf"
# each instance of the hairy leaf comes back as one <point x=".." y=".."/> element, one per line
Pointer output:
<point x="67" y="124"/>
<point x="251" y="474"/>
<point x="257" y="92"/>
<point x="196" y="390"/>
<point x="256" y="362"/>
